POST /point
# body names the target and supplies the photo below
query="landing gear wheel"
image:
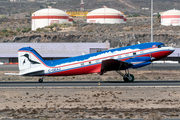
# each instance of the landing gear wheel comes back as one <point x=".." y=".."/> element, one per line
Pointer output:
<point x="128" y="78"/>
<point x="40" y="80"/>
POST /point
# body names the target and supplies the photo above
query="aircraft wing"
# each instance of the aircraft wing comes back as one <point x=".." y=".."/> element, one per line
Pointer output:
<point x="112" y="64"/>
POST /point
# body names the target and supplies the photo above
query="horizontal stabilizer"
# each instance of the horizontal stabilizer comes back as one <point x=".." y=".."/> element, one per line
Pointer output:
<point x="11" y="73"/>
<point x="34" y="73"/>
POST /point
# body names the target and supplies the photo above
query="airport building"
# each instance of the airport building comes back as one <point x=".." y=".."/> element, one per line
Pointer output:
<point x="49" y="51"/>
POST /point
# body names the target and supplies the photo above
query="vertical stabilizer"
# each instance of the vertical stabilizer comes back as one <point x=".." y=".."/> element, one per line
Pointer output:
<point x="29" y="60"/>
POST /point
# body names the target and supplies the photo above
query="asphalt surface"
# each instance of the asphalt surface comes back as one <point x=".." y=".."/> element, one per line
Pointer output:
<point x="90" y="84"/>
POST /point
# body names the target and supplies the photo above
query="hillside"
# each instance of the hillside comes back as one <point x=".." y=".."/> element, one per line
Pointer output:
<point x="16" y="24"/>
<point x="127" y="6"/>
<point x="136" y="29"/>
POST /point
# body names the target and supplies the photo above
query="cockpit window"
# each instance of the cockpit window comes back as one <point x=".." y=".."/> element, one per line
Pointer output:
<point x="159" y="46"/>
<point x="162" y="45"/>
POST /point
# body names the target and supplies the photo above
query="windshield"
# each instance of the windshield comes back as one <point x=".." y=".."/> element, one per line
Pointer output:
<point x="162" y="45"/>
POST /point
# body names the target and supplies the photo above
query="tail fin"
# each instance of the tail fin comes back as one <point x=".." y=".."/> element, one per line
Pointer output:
<point x="29" y="59"/>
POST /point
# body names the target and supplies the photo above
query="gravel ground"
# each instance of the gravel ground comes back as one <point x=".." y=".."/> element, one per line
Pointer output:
<point x="90" y="102"/>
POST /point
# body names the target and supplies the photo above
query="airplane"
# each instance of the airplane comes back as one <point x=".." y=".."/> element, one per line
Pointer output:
<point x="135" y="56"/>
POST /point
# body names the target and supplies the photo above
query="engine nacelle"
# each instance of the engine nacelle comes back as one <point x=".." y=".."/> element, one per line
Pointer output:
<point x="139" y="61"/>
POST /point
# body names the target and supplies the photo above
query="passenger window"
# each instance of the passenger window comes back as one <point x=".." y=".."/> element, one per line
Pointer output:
<point x="134" y="53"/>
<point x="159" y="46"/>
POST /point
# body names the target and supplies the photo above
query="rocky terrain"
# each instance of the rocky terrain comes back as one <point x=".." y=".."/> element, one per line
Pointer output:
<point x="118" y="35"/>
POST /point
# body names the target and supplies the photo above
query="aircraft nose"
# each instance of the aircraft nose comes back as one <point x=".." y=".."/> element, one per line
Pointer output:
<point x="172" y="49"/>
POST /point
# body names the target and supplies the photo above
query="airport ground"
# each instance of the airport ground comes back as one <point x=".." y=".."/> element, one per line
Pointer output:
<point x="93" y="102"/>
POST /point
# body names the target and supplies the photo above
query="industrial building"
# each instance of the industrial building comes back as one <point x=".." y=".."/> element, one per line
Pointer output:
<point x="50" y="51"/>
<point x="170" y="17"/>
<point x="48" y="16"/>
<point x="106" y="15"/>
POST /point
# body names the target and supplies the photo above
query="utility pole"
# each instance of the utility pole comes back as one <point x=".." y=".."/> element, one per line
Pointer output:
<point x="82" y="5"/>
<point x="151" y="20"/>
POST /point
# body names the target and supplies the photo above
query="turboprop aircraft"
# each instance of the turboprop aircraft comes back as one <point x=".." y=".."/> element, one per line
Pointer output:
<point x="118" y="59"/>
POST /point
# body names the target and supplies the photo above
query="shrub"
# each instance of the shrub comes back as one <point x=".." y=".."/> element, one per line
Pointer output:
<point x="14" y="33"/>
<point x="6" y="34"/>
<point x="23" y="31"/>
<point x="3" y="16"/>
<point x="38" y="29"/>
<point x="89" y="31"/>
<point x="135" y="15"/>
<point x="64" y="25"/>
<point x="18" y="29"/>
<point x="4" y="30"/>
<point x="28" y="29"/>
<point x="54" y="24"/>
<point x="50" y="26"/>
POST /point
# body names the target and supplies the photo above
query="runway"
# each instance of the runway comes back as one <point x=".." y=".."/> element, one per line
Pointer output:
<point x="91" y="84"/>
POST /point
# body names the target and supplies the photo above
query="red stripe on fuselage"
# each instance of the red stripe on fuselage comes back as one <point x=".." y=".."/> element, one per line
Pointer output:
<point x="78" y="71"/>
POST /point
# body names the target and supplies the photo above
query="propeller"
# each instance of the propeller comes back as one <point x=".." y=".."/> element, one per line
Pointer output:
<point x="152" y="58"/>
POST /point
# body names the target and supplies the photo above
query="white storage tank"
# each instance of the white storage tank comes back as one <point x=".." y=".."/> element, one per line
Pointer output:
<point x="124" y="19"/>
<point x="48" y="16"/>
<point x="105" y="16"/>
<point x="170" y="17"/>
<point x="70" y="19"/>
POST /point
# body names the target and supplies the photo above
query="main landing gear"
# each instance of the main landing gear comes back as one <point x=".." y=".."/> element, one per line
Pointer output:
<point x="126" y="77"/>
<point x="41" y="79"/>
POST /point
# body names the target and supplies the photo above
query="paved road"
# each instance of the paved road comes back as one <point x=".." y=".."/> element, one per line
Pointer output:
<point x="89" y="83"/>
